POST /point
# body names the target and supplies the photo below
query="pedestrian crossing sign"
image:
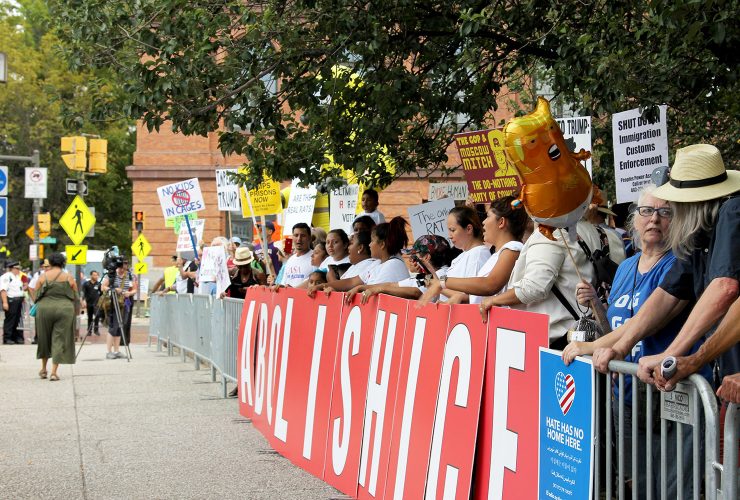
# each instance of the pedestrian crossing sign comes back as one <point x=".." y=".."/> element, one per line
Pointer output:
<point x="76" y="254"/>
<point x="141" y="268"/>
<point x="77" y="220"/>
<point x="141" y="247"/>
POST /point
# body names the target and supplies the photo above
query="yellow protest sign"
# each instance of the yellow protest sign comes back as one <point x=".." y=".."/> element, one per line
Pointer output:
<point x="141" y="247"/>
<point x="77" y="220"/>
<point x="76" y="254"/>
<point x="141" y="268"/>
<point x="42" y="235"/>
<point x="265" y="200"/>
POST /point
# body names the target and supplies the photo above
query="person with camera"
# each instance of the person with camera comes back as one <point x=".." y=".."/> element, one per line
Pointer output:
<point x="123" y="283"/>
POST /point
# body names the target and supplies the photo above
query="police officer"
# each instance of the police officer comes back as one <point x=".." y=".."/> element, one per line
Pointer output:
<point x="11" y="293"/>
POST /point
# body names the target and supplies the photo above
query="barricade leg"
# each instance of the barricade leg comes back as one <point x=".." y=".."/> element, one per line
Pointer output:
<point x="213" y="373"/>
<point x="197" y="361"/>
<point x="729" y="462"/>
<point x="169" y="348"/>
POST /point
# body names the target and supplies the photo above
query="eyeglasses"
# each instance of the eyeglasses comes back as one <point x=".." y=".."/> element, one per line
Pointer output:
<point x="664" y="212"/>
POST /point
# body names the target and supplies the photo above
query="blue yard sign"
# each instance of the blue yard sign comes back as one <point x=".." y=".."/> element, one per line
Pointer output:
<point x="566" y="427"/>
<point x="3" y="216"/>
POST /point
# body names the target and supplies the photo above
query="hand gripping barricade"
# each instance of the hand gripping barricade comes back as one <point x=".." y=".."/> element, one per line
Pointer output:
<point x="681" y="424"/>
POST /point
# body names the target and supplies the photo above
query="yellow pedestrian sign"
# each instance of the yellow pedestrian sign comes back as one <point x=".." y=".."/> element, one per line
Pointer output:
<point x="141" y="268"/>
<point x="76" y="254"/>
<point x="77" y="221"/>
<point x="141" y="247"/>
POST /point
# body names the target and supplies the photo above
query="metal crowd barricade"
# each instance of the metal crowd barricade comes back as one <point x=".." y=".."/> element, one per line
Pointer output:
<point x="692" y="407"/>
<point x="729" y="465"/>
<point x="202" y="326"/>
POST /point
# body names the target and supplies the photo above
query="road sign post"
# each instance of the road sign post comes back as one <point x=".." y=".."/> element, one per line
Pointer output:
<point x="37" y="196"/>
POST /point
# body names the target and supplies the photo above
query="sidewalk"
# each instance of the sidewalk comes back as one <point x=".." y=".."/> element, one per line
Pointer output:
<point x="151" y="428"/>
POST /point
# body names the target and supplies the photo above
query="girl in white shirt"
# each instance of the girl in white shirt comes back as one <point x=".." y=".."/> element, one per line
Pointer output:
<point x="386" y="241"/>
<point x="466" y="233"/>
<point x="503" y="229"/>
<point x="337" y="247"/>
<point x="359" y="256"/>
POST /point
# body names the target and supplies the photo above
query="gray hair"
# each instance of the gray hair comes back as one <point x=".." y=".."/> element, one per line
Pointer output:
<point x="630" y="223"/>
<point x="691" y="220"/>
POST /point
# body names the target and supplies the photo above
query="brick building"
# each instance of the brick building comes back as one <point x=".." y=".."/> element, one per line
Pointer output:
<point x="165" y="157"/>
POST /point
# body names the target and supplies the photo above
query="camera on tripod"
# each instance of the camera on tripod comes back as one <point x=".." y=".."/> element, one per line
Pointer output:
<point x="112" y="260"/>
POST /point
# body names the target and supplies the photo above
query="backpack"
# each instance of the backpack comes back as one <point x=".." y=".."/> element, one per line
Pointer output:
<point x="604" y="268"/>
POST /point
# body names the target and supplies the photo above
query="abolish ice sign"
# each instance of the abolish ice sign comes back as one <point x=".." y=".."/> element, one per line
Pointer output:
<point x="181" y="198"/>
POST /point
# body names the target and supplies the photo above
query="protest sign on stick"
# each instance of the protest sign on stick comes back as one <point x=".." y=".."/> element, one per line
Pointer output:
<point x="227" y="190"/>
<point x="343" y="207"/>
<point x="639" y="148"/>
<point x="430" y="218"/>
<point x="300" y="205"/>
<point x="487" y="171"/>
<point x="182" y="198"/>
<point x="577" y="134"/>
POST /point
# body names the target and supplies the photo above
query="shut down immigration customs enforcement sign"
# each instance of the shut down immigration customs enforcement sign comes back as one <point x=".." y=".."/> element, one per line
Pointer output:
<point x="77" y="220"/>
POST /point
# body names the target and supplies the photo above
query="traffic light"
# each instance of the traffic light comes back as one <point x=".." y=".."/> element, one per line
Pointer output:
<point x="41" y="252"/>
<point x="77" y="148"/>
<point x="45" y="223"/>
<point x="139" y="220"/>
<point x="98" y="156"/>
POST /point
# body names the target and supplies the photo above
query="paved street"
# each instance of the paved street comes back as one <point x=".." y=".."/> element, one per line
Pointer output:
<point x="151" y="428"/>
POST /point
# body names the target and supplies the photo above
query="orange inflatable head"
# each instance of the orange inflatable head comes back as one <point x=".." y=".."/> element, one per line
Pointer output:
<point x="556" y="187"/>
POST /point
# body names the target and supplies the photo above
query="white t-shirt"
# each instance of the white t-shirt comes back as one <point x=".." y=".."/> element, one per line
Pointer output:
<point x="392" y="270"/>
<point x="467" y="264"/>
<point x="515" y="246"/>
<point x="297" y="269"/>
<point x="361" y="267"/>
<point x="374" y="215"/>
<point x="329" y="261"/>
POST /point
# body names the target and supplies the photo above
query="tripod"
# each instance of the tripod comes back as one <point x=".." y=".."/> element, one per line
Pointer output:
<point x="113" y="297"/>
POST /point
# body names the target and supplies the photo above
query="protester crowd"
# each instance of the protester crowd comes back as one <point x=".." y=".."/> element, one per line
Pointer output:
<point x="672" y="287"/>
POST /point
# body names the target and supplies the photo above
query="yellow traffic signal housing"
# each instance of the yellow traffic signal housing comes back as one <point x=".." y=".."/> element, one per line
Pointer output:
<point x="77" y="148"/>
<point x="74" y="144"/>
<point x="75" y="161"/>
<point x="45" y="223"/>
<point x="41" y="251"/>
<point x="98" y="156"/>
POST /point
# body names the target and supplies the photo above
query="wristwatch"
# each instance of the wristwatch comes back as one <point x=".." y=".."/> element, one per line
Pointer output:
<point x="443" y="281"/>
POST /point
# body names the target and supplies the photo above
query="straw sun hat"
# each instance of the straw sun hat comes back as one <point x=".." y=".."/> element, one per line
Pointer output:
<point x="243" y="256"/>
<point x="698" y="174"/>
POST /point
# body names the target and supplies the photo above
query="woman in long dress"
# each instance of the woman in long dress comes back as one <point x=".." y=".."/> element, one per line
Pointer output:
<point x="56" y="299"/>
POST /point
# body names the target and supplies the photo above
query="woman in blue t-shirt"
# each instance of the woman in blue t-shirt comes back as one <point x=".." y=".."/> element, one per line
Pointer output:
<point x="636" y="278"/>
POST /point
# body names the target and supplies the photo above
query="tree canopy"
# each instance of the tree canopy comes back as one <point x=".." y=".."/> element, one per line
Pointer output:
<point x="380" y="87"/>
<point x="40" y="84"/>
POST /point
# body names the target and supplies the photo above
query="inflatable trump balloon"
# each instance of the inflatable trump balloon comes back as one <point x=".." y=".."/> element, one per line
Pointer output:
<point x="556" y="187"/>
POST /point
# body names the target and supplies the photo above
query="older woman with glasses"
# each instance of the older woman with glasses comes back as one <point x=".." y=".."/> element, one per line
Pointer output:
<point x="636" y="279"/>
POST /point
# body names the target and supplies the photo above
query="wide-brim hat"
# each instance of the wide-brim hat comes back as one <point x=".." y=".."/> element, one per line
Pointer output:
<point x="698" y="174"/>
<point x="605" y="210"/>
<point x="243" y="256"/>
<point x="12" y="263"/>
